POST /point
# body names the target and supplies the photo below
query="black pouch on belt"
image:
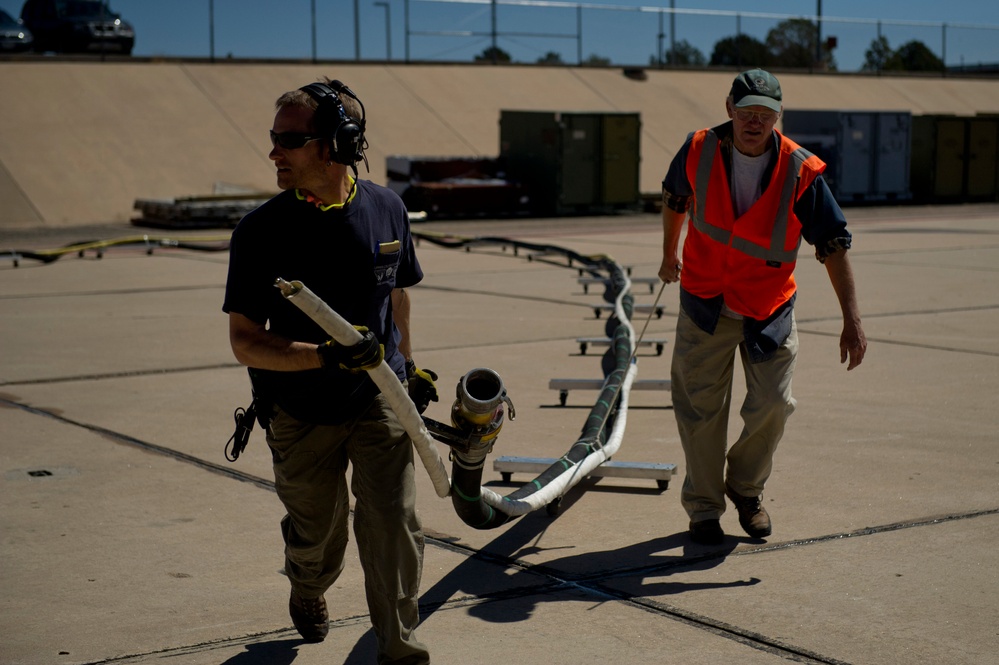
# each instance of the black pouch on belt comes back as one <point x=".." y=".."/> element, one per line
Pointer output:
<point x="240" y="437"/>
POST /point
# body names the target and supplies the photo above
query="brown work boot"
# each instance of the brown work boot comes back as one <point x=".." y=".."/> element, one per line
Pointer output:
<point x="752" y="515"/>
<point x="310" y="617"/>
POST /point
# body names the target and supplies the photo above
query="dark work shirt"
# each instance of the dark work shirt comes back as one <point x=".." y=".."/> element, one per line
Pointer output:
<point x="351" y="258"/>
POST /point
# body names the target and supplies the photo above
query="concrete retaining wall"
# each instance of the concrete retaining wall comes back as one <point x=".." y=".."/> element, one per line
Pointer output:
<point x="81" y="141"/>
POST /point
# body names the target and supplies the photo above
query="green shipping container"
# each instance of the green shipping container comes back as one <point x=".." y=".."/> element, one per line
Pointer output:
<point x="573" y="162"/>
<point x="955" y="158"/>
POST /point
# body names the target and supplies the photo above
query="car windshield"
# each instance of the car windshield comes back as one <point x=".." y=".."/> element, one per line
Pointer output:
<point x="6" y="21"/>
<point x="83" y="9"/>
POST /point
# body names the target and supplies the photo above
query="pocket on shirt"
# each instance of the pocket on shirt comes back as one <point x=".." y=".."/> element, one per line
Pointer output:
<point x="387" y="264"/>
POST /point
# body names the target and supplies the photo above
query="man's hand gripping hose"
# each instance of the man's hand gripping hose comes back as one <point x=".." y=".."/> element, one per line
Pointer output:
<point x="363" y="356"/>
<point x="422" y="389"/>
<point x="343" y="333"/>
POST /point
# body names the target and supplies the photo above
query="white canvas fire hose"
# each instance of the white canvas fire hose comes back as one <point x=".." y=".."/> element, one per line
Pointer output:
<point x="556" y="489"/>
<point x="397" y="396"/>
<point x="383" y="376"/>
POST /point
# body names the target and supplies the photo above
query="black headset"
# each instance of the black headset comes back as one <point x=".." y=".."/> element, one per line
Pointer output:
<point x="343" y="134"/>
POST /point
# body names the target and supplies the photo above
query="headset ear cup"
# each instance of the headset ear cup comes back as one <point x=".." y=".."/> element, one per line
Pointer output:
<point x="348" y="143"/>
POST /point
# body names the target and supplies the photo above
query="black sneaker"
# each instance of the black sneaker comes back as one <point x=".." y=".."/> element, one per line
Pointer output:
<point x="707" y="532"/>
<point x="753" y="516"/>
<point x="310" y="617"/>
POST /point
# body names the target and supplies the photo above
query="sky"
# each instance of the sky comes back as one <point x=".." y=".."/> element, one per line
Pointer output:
<point x="624" y="31"/>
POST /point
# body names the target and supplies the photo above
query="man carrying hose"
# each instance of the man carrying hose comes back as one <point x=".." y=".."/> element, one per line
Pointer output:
<point x="349" y="241"/>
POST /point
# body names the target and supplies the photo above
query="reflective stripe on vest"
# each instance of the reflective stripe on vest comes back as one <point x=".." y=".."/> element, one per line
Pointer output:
<point x="775" y="251"/>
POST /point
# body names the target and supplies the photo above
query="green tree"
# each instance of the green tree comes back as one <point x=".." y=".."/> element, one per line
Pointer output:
<point x="792" y="43"/>
<point x="877" y="56"/>
<point x="551" y="58"/>
<point x="493" y="54"/>
<point x="596" y="61"/>
<point x="686" y="54"/>
<point x="740" y="51"/>
<point x="914" y="56"/>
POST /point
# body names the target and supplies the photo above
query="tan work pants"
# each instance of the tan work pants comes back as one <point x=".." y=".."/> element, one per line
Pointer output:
<point x="702" y="371"/>
<point x="310" y="465"/>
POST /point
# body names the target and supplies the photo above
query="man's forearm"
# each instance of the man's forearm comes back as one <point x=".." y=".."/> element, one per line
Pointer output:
<point x="255" y="346"/>
<point x="669" y="270"/>
<point x="841" y="276"/>
<point x="852" y="341"/>
<point x="400" y="315"/>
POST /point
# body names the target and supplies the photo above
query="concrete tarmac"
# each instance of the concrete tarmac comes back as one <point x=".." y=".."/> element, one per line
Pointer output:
<point x="126" y="537"/>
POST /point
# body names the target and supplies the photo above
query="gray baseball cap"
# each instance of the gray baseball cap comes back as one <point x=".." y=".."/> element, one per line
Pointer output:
<point x="756" y="88"/>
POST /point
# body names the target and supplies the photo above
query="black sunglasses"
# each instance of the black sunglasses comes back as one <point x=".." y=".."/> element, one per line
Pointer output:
<point x="291" y="140"/>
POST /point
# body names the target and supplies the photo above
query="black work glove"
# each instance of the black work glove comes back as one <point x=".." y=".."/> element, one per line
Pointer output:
<point x="365" y="355"/>
<point x="422" y="389"/>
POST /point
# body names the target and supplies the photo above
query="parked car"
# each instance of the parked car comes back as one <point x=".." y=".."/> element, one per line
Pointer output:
<point x="77" y="26"/>
<point x="13" y="35"/>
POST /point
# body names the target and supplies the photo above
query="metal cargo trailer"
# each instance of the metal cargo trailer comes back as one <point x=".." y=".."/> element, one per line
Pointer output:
<point x="866" y="152"/>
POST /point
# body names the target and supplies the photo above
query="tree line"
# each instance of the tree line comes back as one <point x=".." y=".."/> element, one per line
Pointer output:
<point x="793" y="43"/>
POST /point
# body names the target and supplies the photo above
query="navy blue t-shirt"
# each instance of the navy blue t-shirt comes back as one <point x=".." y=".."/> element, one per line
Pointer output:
<point x="351" y="258"/>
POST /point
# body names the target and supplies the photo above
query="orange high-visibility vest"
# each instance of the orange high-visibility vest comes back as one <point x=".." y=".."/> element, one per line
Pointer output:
<point x="749" y="260"/>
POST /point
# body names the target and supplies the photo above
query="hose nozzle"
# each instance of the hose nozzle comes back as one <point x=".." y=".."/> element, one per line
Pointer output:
<point x="288" y="289"/>
<point x="478" y="409"/>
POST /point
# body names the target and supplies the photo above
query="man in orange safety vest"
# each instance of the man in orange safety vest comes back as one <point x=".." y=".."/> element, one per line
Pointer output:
<point x="751" y="195"/>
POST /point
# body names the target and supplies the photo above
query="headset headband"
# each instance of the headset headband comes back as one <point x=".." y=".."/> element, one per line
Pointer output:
<point x="344" y="134"/>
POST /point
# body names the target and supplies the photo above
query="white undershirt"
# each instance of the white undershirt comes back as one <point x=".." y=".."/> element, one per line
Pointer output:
<point x="747" y="186"/>
<point x="747" y="179"/>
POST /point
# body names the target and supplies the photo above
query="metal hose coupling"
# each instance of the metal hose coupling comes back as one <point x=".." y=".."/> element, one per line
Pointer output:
<point x="478" y="411"/>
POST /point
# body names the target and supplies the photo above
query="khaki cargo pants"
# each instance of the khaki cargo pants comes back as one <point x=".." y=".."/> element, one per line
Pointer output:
<point x="310" y="466"/>
<point x="702" y="371"/>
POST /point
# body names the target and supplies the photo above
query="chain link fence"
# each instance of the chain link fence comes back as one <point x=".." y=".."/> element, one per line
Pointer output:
<point x="531" y="31"/>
